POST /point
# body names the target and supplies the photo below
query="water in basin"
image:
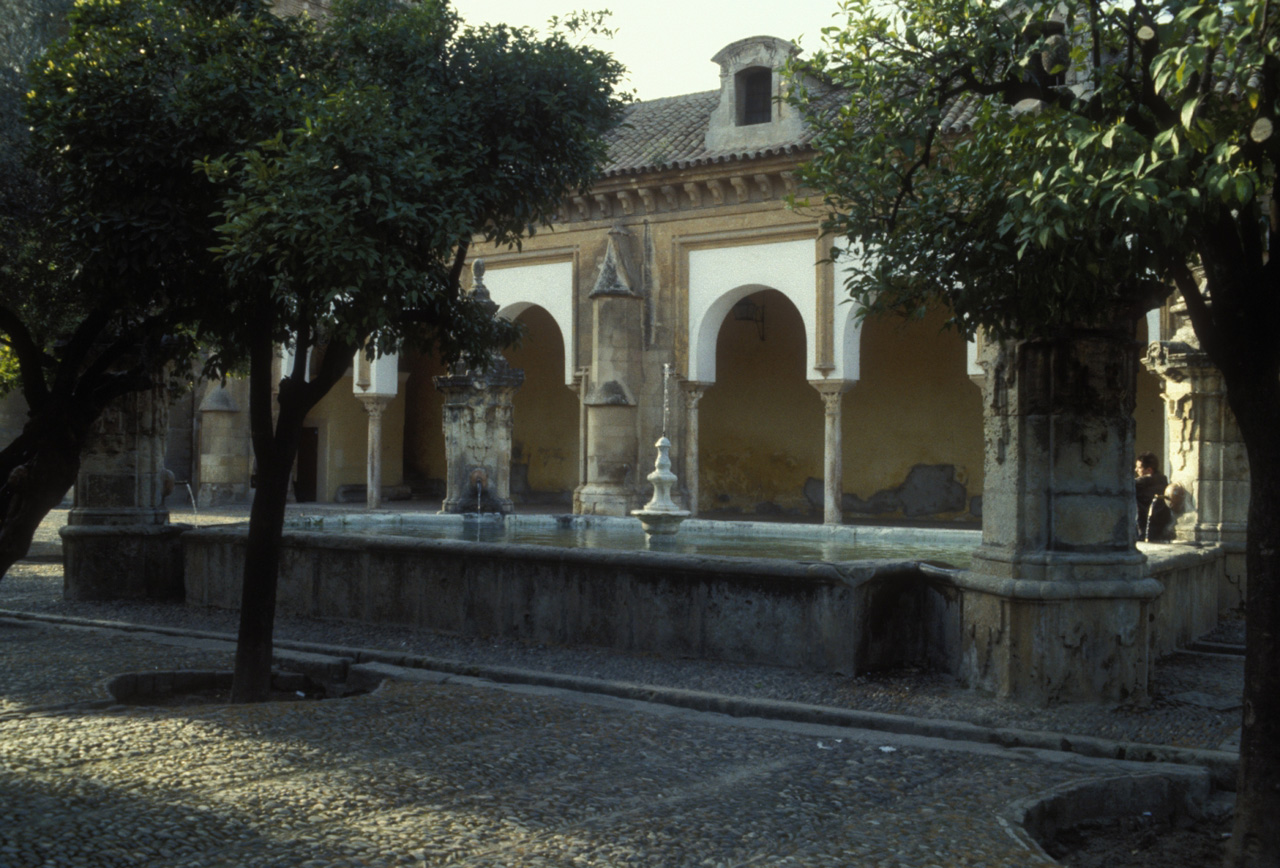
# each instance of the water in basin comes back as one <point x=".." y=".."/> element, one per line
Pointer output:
<point x="719" y="539"/>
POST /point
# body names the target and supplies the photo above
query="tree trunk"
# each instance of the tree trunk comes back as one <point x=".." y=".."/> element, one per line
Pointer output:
<point x="275" y="446"/>
<point x="37" y="471"/>
<point x="252" y="680"/>
<point x="1255" y="839"/>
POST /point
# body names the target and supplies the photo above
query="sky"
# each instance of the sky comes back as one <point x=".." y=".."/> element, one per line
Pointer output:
<point x="667" y="45"/>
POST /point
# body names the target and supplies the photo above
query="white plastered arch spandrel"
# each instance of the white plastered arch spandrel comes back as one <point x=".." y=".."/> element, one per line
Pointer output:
<point x="720" y="277"/>
<point x="547" y="285"/>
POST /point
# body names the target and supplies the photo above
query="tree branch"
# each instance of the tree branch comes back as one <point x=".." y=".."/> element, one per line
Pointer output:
<point x="31" y="359"/>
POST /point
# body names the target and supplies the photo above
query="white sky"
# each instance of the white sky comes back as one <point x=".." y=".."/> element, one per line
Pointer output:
<point x="667" y="45"/>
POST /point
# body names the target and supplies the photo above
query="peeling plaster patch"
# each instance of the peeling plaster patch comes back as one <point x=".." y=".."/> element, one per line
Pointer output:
<point x="610" y="392"/>
<point x="929" y="489"/>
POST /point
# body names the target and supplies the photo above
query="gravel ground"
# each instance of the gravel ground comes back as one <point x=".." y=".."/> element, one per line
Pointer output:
<point x="1168" y="717"/>
<point x="458" y="774"/>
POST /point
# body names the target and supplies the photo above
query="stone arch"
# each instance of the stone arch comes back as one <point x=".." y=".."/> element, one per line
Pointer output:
<point x="760" y="424"/>
<point x="912" y="428"/>
<point x="720" y="277"/>
<point x="545" y="423"/>
<point x="549" y="285"/>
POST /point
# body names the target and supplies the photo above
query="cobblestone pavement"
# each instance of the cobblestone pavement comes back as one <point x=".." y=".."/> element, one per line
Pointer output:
<point x="419" y="774"/>
<point x="467" y="773"/>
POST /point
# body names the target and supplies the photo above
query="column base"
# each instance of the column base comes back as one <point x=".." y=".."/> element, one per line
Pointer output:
<point x="599" y="499"/>
<point x="123" y="562"/>
<point x="1053" y="641"/>
<point x="211" y="494"/>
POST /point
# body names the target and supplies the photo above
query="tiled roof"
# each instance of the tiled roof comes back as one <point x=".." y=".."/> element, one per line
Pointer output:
<point x="671" y="133"/>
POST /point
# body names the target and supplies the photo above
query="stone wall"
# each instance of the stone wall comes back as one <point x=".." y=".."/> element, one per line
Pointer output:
<point x="846" y="618"/>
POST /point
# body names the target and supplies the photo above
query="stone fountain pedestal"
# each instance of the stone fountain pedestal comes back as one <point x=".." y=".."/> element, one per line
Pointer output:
<point x="118" y="542"/>
<point x="661" y="516"/>
<point x="1058" y="601"/>
<point x="477" y="437"/>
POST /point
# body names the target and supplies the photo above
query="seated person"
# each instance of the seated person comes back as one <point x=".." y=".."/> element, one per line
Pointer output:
<point x="1155" y="521"/>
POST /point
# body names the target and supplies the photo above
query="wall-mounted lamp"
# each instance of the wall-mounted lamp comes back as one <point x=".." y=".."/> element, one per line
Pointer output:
<point x="748" y="311"/>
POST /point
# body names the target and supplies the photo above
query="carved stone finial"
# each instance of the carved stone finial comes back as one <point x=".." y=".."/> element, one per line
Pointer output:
<point x="477" y="277"/>
<point x="613" y="278"/>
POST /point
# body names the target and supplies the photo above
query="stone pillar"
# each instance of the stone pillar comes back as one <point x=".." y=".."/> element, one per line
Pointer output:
<point x="1056" y="603"/>
<point x="375" y="382"/>
<point x="225" y="462"/>
<point x="832" y="449"/>
<point x="615" y="463"/>
<point x="1207" y="457"/>
<point x="118" y="543"/>
<point x="693" y="392"/>
<point x="374" y="405"/>
<point x="477" y="438"/>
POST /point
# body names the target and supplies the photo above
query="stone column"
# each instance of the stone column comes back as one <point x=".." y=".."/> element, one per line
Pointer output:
<point x="374" y="405"/>
<point x="375" y="382"/>
<point x="1056" y="604"/>
<point x="616" y="463"/>
<point x="118" y="543"/>
<point x="832" y="449"/>
<point x="477" y="438"/>
<point x="225" y="461"/>
<point x="693" y="392"/>
<point x="1207" y="456"/>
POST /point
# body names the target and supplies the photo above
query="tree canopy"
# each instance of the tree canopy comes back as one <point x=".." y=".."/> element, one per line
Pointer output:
<point x="260" y="180"/>
<point x="1039" y="164"/>
<point x="1044" y="166"/>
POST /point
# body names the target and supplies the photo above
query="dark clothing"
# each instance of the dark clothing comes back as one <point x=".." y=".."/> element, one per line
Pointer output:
<point x="1155" y="521"/>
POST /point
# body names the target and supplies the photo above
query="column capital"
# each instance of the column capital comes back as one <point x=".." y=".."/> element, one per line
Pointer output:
<point x="832" y="386"/>
<point x="693" y="392"/>
<point x="374" y="405"/>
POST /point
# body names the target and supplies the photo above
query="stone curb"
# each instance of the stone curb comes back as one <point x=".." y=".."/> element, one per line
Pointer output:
<point x="1221" y="765"/>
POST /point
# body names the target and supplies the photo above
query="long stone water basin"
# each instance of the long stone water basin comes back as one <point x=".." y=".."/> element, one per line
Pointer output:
<point x="842" y="599"/>
<point x="790" y="595"/>
<point x="795" y="542"/>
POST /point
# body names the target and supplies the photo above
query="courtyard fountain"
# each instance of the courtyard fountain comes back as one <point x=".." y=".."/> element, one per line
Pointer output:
<point x="834" y="598"/>
<point x="661" y="517"/>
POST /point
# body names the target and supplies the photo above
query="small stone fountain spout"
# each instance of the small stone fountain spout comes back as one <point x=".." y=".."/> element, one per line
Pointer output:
<point x="660" y="516"/>
<point x="479" y="477"/>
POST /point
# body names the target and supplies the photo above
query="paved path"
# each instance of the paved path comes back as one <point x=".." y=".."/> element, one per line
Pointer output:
<point x="468" y="773"/>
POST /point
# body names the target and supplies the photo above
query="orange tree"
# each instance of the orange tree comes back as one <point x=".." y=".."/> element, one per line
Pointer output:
<point x="329" y="182"/>
<point x="1114" y="152"/>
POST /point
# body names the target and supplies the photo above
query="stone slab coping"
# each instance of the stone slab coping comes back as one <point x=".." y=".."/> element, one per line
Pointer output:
<point x="349" y="538"/>
<point x="693" y="527"/>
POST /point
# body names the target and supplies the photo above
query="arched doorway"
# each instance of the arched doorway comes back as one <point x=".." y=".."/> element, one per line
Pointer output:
<point x="1148" y="409"/>
<point x="544" y="453"/>
<point x="912" y="424"/>
<point x="761" y="423"/>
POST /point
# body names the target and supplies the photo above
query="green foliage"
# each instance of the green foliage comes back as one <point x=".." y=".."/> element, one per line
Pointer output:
<point x="26" y="253"/>
<point x="122" y="107"/>
<point x="1094" y="161"/>
<point x="417" y="135"/>
<point x="8" y="371"/>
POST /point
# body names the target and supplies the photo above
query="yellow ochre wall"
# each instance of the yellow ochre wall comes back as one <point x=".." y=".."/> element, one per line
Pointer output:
<point x="424" y="458"/>
<point x="914" y="404"/>
<point x="544" y="410"/>
<point x="760" y="425"/>
<point x="344" y="440"/>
